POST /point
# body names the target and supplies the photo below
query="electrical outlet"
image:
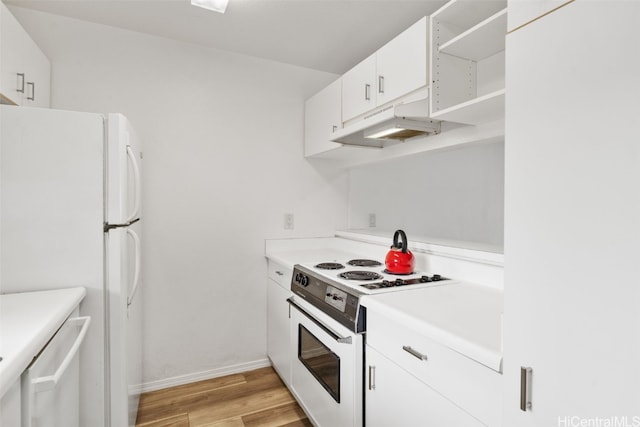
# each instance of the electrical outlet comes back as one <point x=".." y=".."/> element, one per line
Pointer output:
<point x="288" y="221"/>
<point x="372" y="220"/>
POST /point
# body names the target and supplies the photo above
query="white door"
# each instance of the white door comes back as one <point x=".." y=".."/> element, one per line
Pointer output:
<point x="572" y="209"/>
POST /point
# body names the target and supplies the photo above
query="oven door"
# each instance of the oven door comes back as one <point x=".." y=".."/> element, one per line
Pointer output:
<point x="326" y="372"/>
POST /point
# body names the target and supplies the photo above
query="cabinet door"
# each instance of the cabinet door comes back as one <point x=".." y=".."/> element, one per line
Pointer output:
<point x="322" y="116"/>
<point x="13" y="42"/>
<point x="278" y="331"/>
<point x="25" y="72"/>
<point x="359" y="89"/>
<point x="572" y="234"/>
<point x="38" y="75"/>
<point x="402" y="64"/>
<point x="10" y="406"/>
<point x="396" y="398"/>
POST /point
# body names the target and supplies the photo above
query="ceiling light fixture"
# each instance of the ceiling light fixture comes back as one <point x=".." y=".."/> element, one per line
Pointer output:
<point x="215" y="5"/>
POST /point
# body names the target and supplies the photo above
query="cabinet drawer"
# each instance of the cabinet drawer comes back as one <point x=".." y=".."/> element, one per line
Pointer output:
<point x="472" y="386"/>
<point x="280" y="274"/>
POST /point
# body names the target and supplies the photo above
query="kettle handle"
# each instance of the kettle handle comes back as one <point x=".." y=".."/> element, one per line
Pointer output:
<point x="400" y="234"/>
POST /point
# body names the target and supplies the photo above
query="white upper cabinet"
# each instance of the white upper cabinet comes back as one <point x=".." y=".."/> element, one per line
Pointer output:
<point x="522" y="12"/>
<point x="359" y="89"/>
<point x="25" y="72"/>
<point x="321" y="118"/>
<point x="402" y="64"/>
<point x="467" y="61"/>
<point x="396" y="69"/>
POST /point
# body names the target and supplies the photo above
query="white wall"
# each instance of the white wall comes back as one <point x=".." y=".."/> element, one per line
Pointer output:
<point x="223" y="138"/>
<point x="456" y="194"/>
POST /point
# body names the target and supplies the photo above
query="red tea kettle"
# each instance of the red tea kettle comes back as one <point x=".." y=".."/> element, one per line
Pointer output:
<point x="399" y="259"/>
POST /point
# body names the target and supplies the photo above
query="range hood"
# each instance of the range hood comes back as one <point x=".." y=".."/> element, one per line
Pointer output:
<point x="391" y="125"/>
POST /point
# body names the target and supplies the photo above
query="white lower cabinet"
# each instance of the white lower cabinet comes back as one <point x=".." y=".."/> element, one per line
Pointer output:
<point x="10" y="407"/>
<point x="278" y="331"/>
<point x="411" y="375"/>
<point x="394" y="397"/>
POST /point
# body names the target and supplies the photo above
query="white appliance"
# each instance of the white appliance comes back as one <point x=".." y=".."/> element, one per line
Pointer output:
<point x="327" y="327"/>
<point x="50" y="385"/>
<point x="70" y="216"/>
<point x="407" y="118"/>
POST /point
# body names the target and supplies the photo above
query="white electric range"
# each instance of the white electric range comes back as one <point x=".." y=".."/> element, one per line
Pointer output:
<point x="327" y="328"/>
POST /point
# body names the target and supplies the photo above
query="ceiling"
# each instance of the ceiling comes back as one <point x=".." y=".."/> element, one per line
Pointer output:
<point x="326" y="35"/>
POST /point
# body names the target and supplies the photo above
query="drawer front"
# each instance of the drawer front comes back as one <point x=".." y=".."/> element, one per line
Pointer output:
<point x="280" y="274"/>
<point x="472" y="386"/>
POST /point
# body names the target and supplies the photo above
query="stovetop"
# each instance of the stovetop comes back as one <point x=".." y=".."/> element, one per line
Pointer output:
<point x="336" y="287"/>
<point x="364" y="276"/>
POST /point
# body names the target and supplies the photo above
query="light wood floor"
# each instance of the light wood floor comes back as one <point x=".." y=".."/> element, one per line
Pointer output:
<point x="254" y="398"/>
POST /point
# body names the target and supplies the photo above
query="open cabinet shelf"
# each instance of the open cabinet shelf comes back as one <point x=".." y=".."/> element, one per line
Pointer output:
<point x="479" y="110"/>
<point x="483" y="40"/>
<point x="467" y="61"/>
<point x="464" y="14"/>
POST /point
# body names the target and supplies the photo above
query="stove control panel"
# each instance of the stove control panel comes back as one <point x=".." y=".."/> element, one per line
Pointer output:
<point x="336" y="298"/>
<point x="301" y="279"/>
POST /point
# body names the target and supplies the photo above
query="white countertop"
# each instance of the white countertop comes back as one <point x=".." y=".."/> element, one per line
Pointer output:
<point x="289" y="258"/>
<point x="27" y="321"/>
<point x="464" y="317"/>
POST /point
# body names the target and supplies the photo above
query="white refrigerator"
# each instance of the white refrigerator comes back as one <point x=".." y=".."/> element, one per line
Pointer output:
<point x="70" y="215"/>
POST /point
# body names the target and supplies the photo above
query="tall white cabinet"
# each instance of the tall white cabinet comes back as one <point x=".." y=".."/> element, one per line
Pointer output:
<point x="572" y="215"/>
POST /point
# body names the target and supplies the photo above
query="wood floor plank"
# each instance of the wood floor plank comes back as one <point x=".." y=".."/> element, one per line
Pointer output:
<point x="180" y="392"/>
<point x="299" y="423"/>
<point x="275" y="417"/>
<point x="255" y="397"/>
<point x="180" y="420"/>
<point x="240" y="406"/>
<point x="231" y="422"/>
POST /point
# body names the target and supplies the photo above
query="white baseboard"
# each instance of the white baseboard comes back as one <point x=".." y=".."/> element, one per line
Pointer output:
<point x="204" y="375"/>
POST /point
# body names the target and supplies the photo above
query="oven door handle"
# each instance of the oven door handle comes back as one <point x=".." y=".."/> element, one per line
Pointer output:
<point x="336" y="336"/>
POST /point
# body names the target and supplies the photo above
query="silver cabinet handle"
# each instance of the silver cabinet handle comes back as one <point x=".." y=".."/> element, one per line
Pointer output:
<point x="380" y="84"/>
<point x="372" y="377"/>
<point x="279" y="273"/>
<point x="334" y="128"/>
<point x="367" y="92"/>
<point x="33" y="91"/>
<point x="525" y="388"/>
<point x="20" y="88"/>
<point x="414" y="353"/>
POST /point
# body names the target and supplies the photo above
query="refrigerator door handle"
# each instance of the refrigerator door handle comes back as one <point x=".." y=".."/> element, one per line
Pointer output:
<point x="136" y="271"/>
<point x="136" y="177"/>
<point x="50" y="381"/>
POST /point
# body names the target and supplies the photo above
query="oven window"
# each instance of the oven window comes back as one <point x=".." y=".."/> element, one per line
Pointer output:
<point x="320" y="361"/>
